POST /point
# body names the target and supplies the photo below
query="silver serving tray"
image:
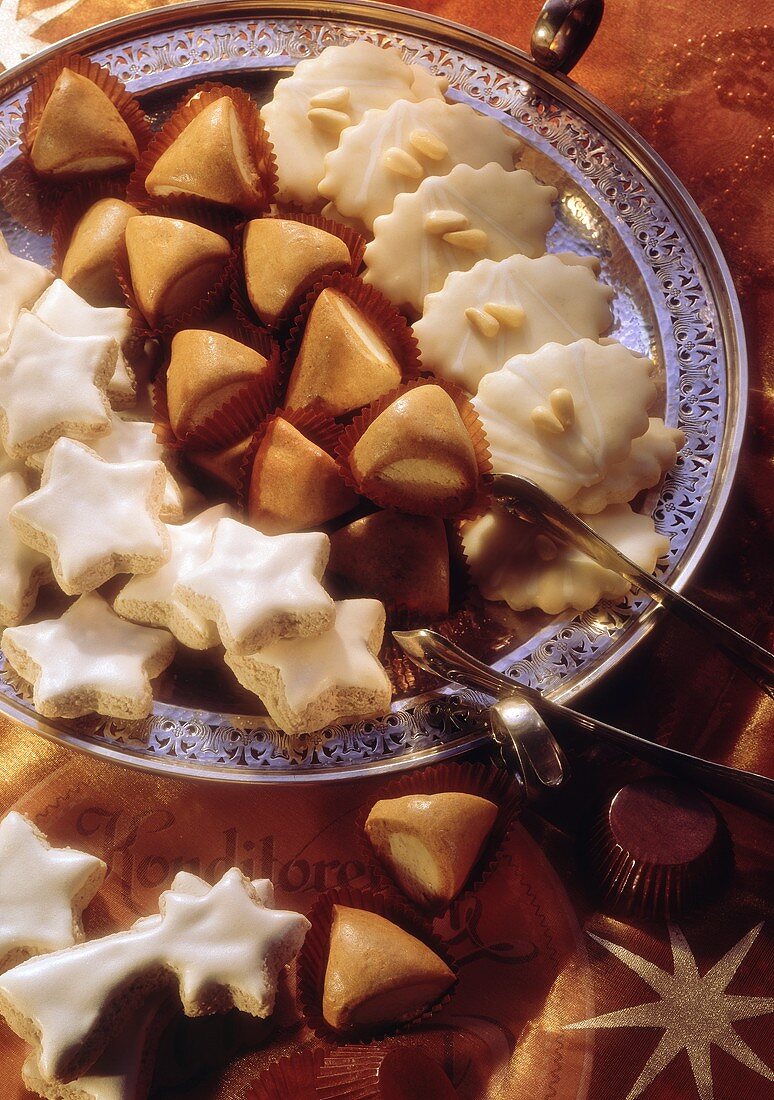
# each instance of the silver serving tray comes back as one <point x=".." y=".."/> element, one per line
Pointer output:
<point x="674" y="300"/>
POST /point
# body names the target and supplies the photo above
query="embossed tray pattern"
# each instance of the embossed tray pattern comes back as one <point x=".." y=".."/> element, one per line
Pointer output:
<point x="674" y="299"/>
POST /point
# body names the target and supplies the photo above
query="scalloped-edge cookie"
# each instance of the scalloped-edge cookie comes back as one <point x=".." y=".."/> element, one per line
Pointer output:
<point x="308" y="683"/>
<point x="652" y="454"/>
<point x="515" y="562"/>
<point x="323" y="96"/>
<point x="565" y="414"/>
<point x="43" y="891"/>
<point x="151" y="600"/>
<point x="22" y="569"/>
<point x="70" y="315"/>
<point x="450" y="223"/>
<point x="39" y="404"/>
<point x="260" y="588"/>
<point x="94" y="518"/>
<point x="501" y="308"/>
<point x="89" y="660"/>
<point x="390" y="152"/>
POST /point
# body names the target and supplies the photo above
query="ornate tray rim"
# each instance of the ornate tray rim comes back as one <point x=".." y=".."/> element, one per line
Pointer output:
<point x="658" y="175"/>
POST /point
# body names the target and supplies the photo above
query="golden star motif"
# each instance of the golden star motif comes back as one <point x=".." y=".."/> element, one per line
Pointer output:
<point x="693" y="1009"/>
<point x="17" y="34"/>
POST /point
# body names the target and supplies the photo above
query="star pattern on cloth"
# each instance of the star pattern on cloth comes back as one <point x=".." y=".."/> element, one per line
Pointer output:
<point x="43" y="891"/>
<point x="693" y="1009"/>
<point x="17" y="35"/>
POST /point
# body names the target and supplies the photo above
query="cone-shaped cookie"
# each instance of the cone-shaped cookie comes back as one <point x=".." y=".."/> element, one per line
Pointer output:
<point x="210" y="160"/>
<point x="282" y="258"/>
<point x="205" y="370"/>
<point x="80" y="131"/>
<point x="401" y="560"/>
<point x="223" y="467"/>
<point x="294" y="484"/>
<point x="377" y="973"/>
<point x="343" y="363"/>
<point x="417" y="454"/>
<point x="430" y="843"/>
<point x="172" y="264"/>
<point x="89" y="263"/>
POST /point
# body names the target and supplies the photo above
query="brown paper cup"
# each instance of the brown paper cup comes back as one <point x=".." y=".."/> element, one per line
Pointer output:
<point x="187" y="110"/>
<point x="295" y="1076"/>
<point x="313" y="959"/>
<point x="389" y="322"/>
<point x="354" y="242"/>
<point x="473" y="426"/>
<point x="207" y="306"/>
<point x="381" y="1072"/>
<point x="72" y="209"/>
<point x="477" y="779"/>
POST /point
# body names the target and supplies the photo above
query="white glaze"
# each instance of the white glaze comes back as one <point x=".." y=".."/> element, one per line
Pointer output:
<point x="94" y="518"/>
<point x="611" y="389"/>
<point x="68" y="314"/>
<point x="224" y="946"/>
<point x="131" y="441"/>
<point x="508" y="563"/>
<point x="151" y="599"/>
<point x="361" y="184"/>
<point x="21" y="282"/>
<point x="409" y="259"/>
<point x="89" y="660"/>
<point x="52" y="385"/>
<point x="328" y="674"/>
<point x="259" y="588"/>
<point x="651" y="456"/>
<point x="22" y="570"/>
<point x="43" y="890"/>
<point x="561" y="303"/>
<point x="371" y="76"/>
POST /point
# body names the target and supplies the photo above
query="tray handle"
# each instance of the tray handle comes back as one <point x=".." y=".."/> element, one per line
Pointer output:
<point x="563" y="32"/>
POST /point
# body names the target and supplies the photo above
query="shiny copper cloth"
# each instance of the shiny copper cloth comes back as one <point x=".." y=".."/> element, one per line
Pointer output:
<point x="536" y="955"/>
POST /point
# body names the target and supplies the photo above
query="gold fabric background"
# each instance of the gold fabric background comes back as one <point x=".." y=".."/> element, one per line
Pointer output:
<point x="696" y="80"/>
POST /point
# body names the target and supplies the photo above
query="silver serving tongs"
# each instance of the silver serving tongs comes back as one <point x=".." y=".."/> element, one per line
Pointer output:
<point x="436" y="655"/>
<point x="529" y="502"/>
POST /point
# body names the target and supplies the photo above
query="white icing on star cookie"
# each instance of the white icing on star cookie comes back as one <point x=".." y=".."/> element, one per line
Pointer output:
<point x="43" y="891"/>
<point x="390" y="152"/>
<point x="22" y="570"/>
<point x="68" y="314"/>
<point x="502" y="308"/>
<point x="89" y="661"/>
<point x="308" y="683"/>
<point x="260" y="588"/>
<point x="325" y="94"/>
<point x="94" y="518"/>
<point x="53" y="385"/>
<point x="222" y="949"/>
<point x="651" y="456"/>
<point x="151" y="599"/>
<point x="565" y="414"/>
<point x="514" y="561"/>
<point x="21" y="282"/>
<point x="132" y="441"/>
<point x="450" y="223"/>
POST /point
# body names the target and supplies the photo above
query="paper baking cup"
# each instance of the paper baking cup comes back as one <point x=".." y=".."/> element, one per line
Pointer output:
<point x="313" y="958"/>
<point x="382" y="1072"/>
<point x="74" y="206"/>
<point x="354" y="242"/>
<point x="390" y="323"/>
<point x="473" y="426"/>
<point x="295" y="1076"/>
<point x="207" y="306"/>
<point x="315" y="426"/>
<point x="192" y="104"/>
<point x="238" y="417"/>
<point x="486" y="781"/>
